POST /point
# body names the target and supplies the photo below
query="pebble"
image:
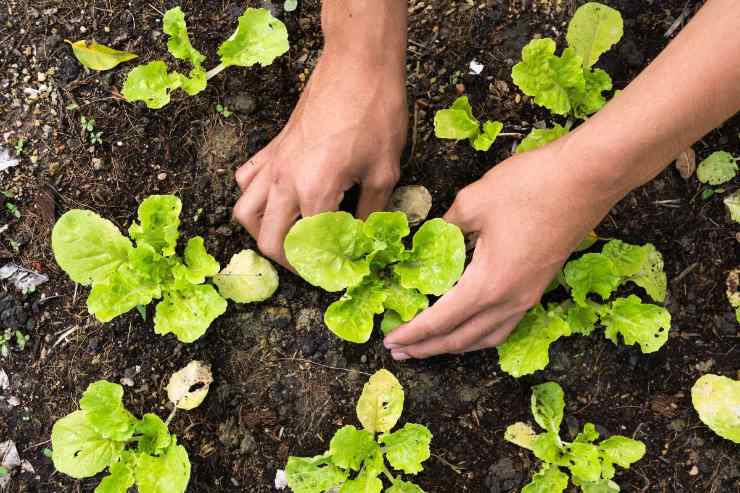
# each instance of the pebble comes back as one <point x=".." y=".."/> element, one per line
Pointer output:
<point x="694" y="471"/>
<point x="162" y="176"/>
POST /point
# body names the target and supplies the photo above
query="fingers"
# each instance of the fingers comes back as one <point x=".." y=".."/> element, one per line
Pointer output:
<point x="463" y="212"/>
<point x="498" y="336"/>
<point x="280" y="214"/>
<point x="375" y="192"/>
<point x="248" y="171"/>
<point x="251" y="205"/>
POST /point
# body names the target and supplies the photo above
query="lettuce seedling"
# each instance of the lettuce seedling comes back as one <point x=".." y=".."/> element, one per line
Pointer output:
<point x="718" y="168"/>
<point x="717" y="400"/>
<point x="335" y="251"/>
<point x="356" y="458"/>
<point x="591" y="465"/>
<point x="93" y="252"/>
<point x="458" y="122"/>
<point x="258" y="39"/>
<point x="526" y="349"/>
<point x="104" y="434"/>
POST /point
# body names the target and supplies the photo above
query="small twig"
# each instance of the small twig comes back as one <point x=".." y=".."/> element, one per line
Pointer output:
<point x="686" y="272"/>
<point x="36" y="445"/>
<point x="348" y="370"/>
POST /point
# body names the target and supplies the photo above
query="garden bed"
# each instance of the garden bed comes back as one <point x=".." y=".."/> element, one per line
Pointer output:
<point x="283" y="383"/>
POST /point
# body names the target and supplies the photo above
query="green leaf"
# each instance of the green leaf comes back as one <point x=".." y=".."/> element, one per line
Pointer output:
<point x="387" y="229"/>
<point x="381" y="402"/>
<point x="103" y="402"/>
<point x="619" y="450"/>
<point x="601" y="486"/>
<point x="406" y="303"/>
<point x="350" y="447"/>
<point x="637" y="322"/>
<point x="200" y="263"/>
<point x="549" y="78"/>
<point x="248" y="278"/>
<point x="526" y="349"/>
<point x="159" y="220"/>
<point x="436" y="260"/>
<point x="98" y="57"/>
<point x="408" y="447"/>
<point x="628" y="259"/>
<point x="581" y="319"/>
<point x="78" y="450"/>
<point x="592" y="273"/>
<point x="391" y="321"/>
<point x="549" y="479"/>
<point x="456" y="122"/>
<point x="178" y="44"/>
<point x="548" y="402"/>
<point x="363" y="483"/>
<point x="400" y="486"/>
<point x="123" y="291"/>
<point x="87" y="247"/>
<point x="491" y="129"/>
<point x="588" y="435"/>
<point x="732" y="202"/>
<point x="153" y="434"/>
<point x="259" y="38"/>
<point x="589" y="99"/>
<point x="717" y="400"/>
<point x="583" y="460"/>
<point x="313" y="475"/>
<point x="593" y="30"/>
<point x="166" y="473"/>
<point x="328" y="250"/>
<point x="548" y="447"/>
<point x="352" y="316"/>
<point x="188" y="313"/>
<point x="520" y="434"/>
<point x="151" y="83"/>
<point x="539" y="137"/>
<point x="718" y="168"/>
<point x="119" y="479"/>
<point x="651" y="276"/>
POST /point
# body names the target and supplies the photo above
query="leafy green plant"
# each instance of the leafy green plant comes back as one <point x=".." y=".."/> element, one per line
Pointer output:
<point x="591" y="465"/>
<point x="92" y="251"/>
<point x="526" y="349"/>
<point x="335" y="251"/>
<point x="19" y="145"/>
<point x="104" y="434"/>
<point x="458" y="122"/>
<point x="223" y="110"/>
<point x="258" y="39"/>
<point x="88" y="126"/>
<point x="568" y="85"/>
<point x="733" y="291"/>
<point x="717" y="400"/>
<point x="362" y="453"/>
<point x="718" y="168"/>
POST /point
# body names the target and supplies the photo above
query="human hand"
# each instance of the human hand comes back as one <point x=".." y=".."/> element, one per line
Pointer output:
<point x="529" y="212"/>
<point x="349" y="127"/>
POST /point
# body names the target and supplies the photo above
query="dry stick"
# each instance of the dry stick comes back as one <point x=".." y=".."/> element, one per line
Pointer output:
<point x="348" y="370"/>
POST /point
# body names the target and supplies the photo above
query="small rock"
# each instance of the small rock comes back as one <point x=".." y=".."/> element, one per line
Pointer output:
<point x="694" y="471"/>
<point x="162" y="176"/>
<point x="248" y="443"/>
<point x="413" y="200"/>
<point x="13" y="401"/>
<point x="97" y="164"/>
<point x="241" y="102"/>
<point x="127" y="382"/>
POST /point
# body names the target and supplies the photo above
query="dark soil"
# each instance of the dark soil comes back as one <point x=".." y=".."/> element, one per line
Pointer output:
<point x="283" y="383"/>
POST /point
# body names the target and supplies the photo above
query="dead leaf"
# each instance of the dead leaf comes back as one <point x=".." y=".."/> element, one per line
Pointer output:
<point x="686" y="163"/>
<point x="188" y="387"/>
<point x="414" y="200"/>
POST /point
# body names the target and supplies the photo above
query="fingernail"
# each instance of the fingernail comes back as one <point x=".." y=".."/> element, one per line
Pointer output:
<point x="399" y="356"/>
<point x="391" y="345"/>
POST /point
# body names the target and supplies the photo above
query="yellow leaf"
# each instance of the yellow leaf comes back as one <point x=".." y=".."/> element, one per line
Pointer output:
<point x="98" y="57"/>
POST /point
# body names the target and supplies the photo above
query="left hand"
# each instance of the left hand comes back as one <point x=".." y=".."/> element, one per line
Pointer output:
<point x="530" y="212"/>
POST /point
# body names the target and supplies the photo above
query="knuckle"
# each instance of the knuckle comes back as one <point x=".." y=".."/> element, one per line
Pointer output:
<point x="266" y="246"/>
<point x="455" y="344"/>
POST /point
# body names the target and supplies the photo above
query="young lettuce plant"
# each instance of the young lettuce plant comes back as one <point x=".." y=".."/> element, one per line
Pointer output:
<point x="568" y="85"/>
<point x="526" y="349"/>
<point x="591" y="465"/>
<point x="93" y="252"/>
<point x="717" y="400"/>
<point x="363" y="453"/>
<point x="458" y="122"/>
<point x="335" y="251"/>
<point x="258" y="39"/>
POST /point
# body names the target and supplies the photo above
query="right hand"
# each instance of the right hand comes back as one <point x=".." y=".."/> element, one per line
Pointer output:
<point x="349" y="127"/>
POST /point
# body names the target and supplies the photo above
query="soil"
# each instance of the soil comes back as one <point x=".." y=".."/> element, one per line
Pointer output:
<point x="283" y="383"/>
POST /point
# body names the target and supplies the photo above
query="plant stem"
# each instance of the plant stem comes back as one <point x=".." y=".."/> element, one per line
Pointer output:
<point x="215" y="71"/>
<point x="170" y="417"/>
<point x="388" y="474"/>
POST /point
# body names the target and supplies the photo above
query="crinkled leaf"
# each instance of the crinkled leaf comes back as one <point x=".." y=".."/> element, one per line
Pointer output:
<point x="123" y="291"/>
<point x="87" y="247"/>
<point x="173" y="24"/>
<point x="159" y="220"/>
<point x="549" y="78"/>
<point x="592" y="273"/>
<point x="188" y="386"/>
<point x="352" y="316"/>
<point x="408" y="447"/>
<point x="548" y="403"/>
<point x="188" y="313"/>
<point x="404" y="487"/>
<point x="582" y="319"/>
<point x="387" y="229"/>
<point x="119" y="479"/>
<point x="548" y="447"/>
<point x="456" y="122"/>
<point x="588" y="434"/>
<point x="583" y="460"/>
<point x="381" y="402"/>
<point x="391" y="321"/>
<point x="95" y="56"/>
<point x="248" y="278"/>
<point x="350" y="447"/>
<point x="637" y="322"/>
<point x="151" y="83"/>
<point x="549" y="479"/>
<point x="526" y="349"/>
<point x="651" y="276"/>
<point x="78" y="450"/>
<point x="103" y="403"/>
<point x="436" y="260"/>
<point x="628" y="259"/>
<point x="200" y="264"/>
<point x="732" y="202"/>
<point x="363" y="483"/>
<point x="313" y="475"/>
<point x="593" y="30"/>
<point x="717" y="400"/>
<point x="491" y="129"/>
<point x="328" y="250"/>
<point x="619" y="450"/>
<point x="166" y="473"/>
<point x="601" y="486"/>
<point x="403" y="301"/>
<point x="540" y="137"/>
<point x="259" y="38"/>
<point x="153" y="434"/>
<point x="718" y="168"/>
<point x="520" y="434"/>
<point x="590" y="99"/>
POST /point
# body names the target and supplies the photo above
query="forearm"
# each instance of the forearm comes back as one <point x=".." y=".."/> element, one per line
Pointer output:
<point x="690" y="89"/>
<point x="367" y="32"/>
